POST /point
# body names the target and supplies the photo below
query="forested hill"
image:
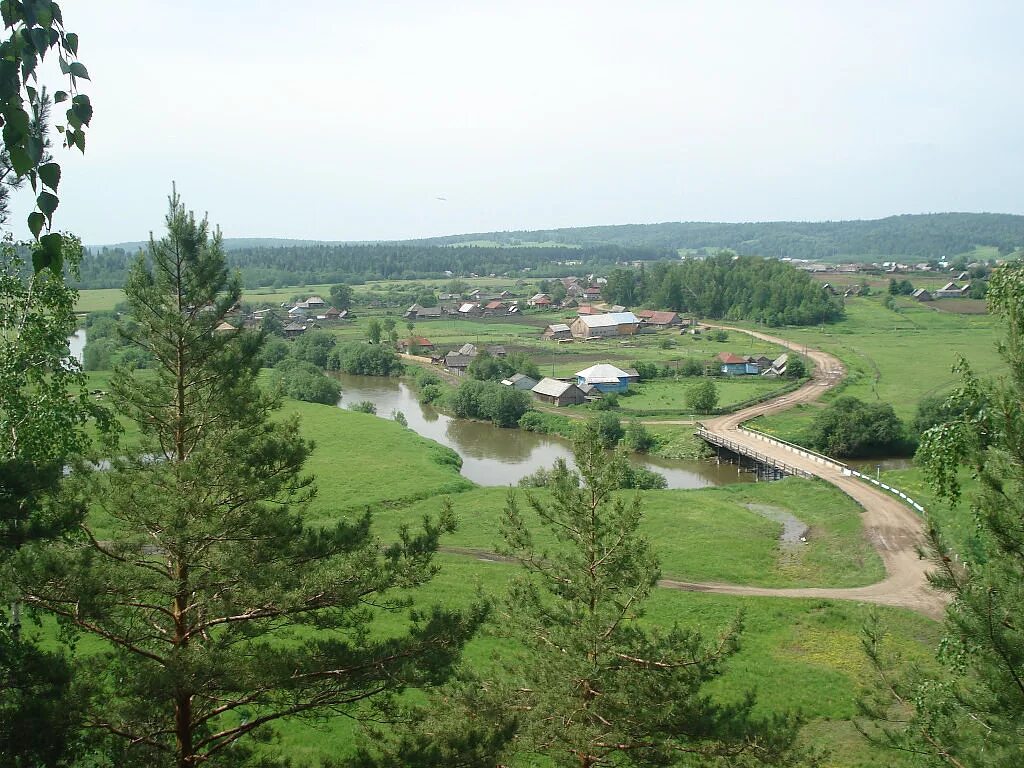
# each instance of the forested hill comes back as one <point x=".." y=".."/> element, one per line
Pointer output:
<point x="919" y="237"/>
<point x="319" y="263"/>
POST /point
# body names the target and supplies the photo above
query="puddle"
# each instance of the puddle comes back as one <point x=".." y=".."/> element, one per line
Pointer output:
<point x="794" y="530"/>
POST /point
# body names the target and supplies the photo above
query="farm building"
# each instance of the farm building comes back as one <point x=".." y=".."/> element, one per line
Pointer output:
<point x="952" y="291"/>
<point x="468" y="350"/>
<point x="497" y="350"/>
<point x="610" y="324"/>
<point x="520" y="381"/>
<point x="558" y="331"/>
<point x="539" y="300"/>
<point x="457" y="363"/>
<point x="654" y="319"/>
<point x="922" y="295"/>
<point x="293" y="329"/>
<point x="604" y="378"/>
<point x="418" y="343"/>
<point x="469" y="309"/>
<point x="558" y="392"/>
<point x="496" y="307"/>
<point x="778" y="366"/>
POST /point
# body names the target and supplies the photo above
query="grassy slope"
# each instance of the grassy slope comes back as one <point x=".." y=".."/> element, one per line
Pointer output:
<point x="892" y="357"/>
<point x="709" y="534"/>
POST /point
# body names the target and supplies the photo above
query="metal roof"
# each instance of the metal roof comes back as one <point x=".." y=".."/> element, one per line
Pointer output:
<point x="552" y="387"/>
<point x="609" y="319"/>
<point x="602" y="373"/>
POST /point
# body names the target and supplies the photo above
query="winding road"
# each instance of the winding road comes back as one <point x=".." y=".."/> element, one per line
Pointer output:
<point x="895" y="530"/>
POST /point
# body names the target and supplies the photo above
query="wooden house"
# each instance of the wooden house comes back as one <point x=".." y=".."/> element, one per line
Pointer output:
<point x="557" y="392"/>
<point x="605" y="325"/>
<point x="558" y="332"/>
<point x="604" y="378"/>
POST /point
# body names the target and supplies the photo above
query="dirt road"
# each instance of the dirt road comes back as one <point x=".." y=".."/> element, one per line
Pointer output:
<point x="894" y="529"/>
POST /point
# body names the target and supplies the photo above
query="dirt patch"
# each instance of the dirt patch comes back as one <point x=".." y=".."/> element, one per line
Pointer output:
<point x="794" y="530"/>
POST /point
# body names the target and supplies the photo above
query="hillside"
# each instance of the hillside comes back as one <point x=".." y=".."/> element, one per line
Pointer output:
<point x="919" y="237"/>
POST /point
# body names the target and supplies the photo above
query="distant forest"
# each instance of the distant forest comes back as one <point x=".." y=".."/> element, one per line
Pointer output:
<point x="918" y="237"/>
<point x="354" y="264"/>
<point x="269" y="262"/>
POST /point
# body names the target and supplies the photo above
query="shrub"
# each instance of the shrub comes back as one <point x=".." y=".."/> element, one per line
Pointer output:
<point x="702" y="396"/>
<point x="400" y="418"/>
<point x="365" y="360"/>
<point x="304" y="381"/>
<point x="503" y="406"/>
<point x="365" y="406"/>
<point x="850" y="428"/>
<point x="691" y="367"/>
<point x="642" y="479"/>
<point x="796" y="368"/>
<point x="645" y="370"/>
<point x="430" y="393"/>
<point x="606" y="402"/>
<point x="606" y="429"/>
<point x="636" y="437"/>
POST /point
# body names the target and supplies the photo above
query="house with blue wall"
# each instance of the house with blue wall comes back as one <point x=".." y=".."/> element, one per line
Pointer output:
<point x="734" y="365"/>
<point x="604" y="378"/>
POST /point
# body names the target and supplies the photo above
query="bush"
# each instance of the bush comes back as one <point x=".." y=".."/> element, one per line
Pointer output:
<point x="304" y="381"/>
<point x="719" y="335"/>
<point x="642" y="479"/>
<point x="852" y="428"/>
<point x="691" y="367"/>
<point x="365" y="406"/>
<point x="400" y="418"/>
<point x="365" y="360"/>
<point x="274" y="351"/>
<point x="606" y="428"/>
<point x="430" y="393"/>
<point x="667" y="343"/>
<point x="501" y="405"/>
<point x="606" y="402"/>
<point x="645" y="370"/>
<point x="636" y="437"/>
<point x="313" y="347"/>
<point x="702" y="396"/>
<point x="796" y="368"/>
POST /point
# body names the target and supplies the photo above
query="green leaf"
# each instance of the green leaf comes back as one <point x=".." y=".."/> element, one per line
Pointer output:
<point x="40" y="260"/>
<point x="72" y="41"/>
<point x="40" y="41"/>
<point x="60" y="96"/>
<point x="53" y="244"/>
<point x="20" y="160"/>
<point x="35" y="223"/>
<point x="82" y="108"/>
<point x="77" y="69"/>
<point x="50" y="174"/>
<point x="47" y="202"/>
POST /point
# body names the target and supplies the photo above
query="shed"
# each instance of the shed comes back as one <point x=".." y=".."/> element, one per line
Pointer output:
<point x="457" y="363"/>
<point x="520" y="381"/>
<point x="658" y="319"/>
<point x="921" y="294"/>
<point x="558" y="331"/>
<point x="557" y="392"/>
<point x="419" y="343"/>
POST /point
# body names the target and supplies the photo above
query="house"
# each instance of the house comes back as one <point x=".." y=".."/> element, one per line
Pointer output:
<point x="457" y="363"/>
<point x="467" y="350"/>
<point x="587" y="309"/>
<point x="951" y="291"/>
<point x="763" y="362"/>
<point x="655" y="319"/>
<point x="633" y="374"/>
<point x="520" y="381"/>
<point x="416" y="344"/>
<point x="332" y="314"/>
<point x="495" y="307"/>
<point x="225" y="327"/>
<point x="734" y="365"/>
<point x="497" y="350"/>
<point x="604" y="378"/>
<point x="429" y="313"/>
<point x="410" y="313"/>
<point x="293" y="329"/>
<point x="315" y="302"/>
<point x="558" y="332"/>
<point x="592" y="294"/>
<point x="469" y="309"/>
<point x="576" y="290"/>
<point x="299" y="310"/>
<point x="922" y="295"/>
<point x="609" y="324"/>
<point x="448" y="297"/>
<point x="542" y="300"/>
<point x="557" y="392"/>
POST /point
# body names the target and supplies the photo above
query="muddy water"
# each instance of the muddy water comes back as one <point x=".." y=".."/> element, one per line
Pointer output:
<point x="499" y="457"/>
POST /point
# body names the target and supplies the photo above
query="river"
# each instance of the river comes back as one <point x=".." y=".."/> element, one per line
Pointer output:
<point x="76" y="344"/>
<point x="501" y="457"/>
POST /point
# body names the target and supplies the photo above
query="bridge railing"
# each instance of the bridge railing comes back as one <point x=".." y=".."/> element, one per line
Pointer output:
<point x="817" y="458"/>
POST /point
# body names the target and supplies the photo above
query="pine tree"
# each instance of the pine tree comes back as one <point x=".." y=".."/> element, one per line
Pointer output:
<point x="595" y="686"/>
<point x="221" y="610"/>
<point x="973" y="713"/>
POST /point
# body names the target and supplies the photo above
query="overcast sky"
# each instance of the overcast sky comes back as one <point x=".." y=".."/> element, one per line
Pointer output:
<point x="348" y="121"/>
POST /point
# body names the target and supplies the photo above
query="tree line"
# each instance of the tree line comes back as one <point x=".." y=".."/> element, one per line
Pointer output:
<point x="921" y="237"/>
<point x="728" y="287"/>
<point x="354" y="264"/>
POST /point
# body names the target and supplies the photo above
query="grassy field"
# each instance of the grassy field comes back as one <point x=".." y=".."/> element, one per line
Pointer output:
<point x="796" y="655"/>
<point x="893" y="357"/>
<point x="708" y="534"/>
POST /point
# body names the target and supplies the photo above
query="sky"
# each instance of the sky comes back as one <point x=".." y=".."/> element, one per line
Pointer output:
<point x="343" y="120"/>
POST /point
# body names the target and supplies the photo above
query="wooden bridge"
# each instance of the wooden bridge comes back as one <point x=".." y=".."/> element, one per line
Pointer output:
<point x="772" y="466"/>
